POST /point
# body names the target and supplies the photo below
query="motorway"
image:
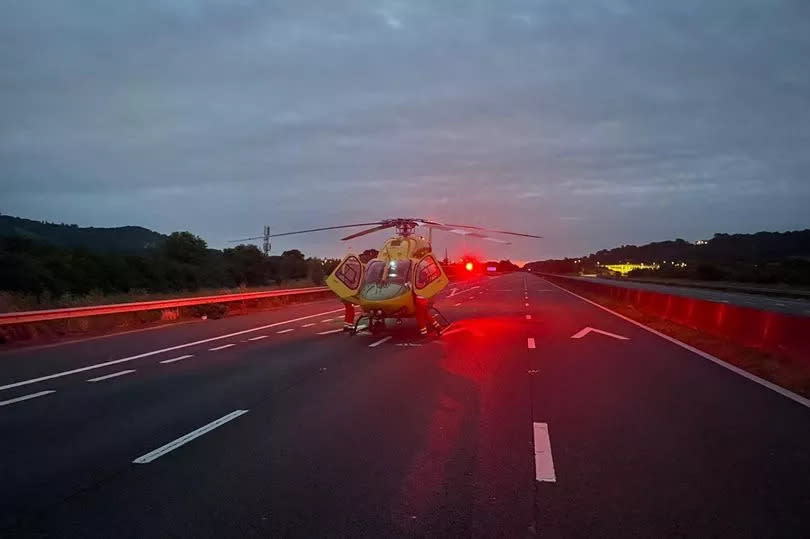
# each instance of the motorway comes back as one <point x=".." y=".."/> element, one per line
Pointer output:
<point x="518" y="422"/>
<point x="795" y="306"/>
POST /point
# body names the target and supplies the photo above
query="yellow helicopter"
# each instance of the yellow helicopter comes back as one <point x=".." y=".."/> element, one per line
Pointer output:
<point x="404" y="277"/>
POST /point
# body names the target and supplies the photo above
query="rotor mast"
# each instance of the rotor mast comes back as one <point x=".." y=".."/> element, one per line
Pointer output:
<point x="405" y="227"/>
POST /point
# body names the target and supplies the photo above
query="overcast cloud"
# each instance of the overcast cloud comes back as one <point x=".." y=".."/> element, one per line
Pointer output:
<point x="592" y="123"/>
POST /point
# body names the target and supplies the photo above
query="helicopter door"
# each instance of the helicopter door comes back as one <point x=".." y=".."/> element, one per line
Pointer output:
<point x="428" y="277"/>
<point x="345" y="281"/>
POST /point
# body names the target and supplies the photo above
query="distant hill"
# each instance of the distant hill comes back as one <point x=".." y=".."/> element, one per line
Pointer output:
<point x="125" y="239"/>
<point x="761" y="257"/>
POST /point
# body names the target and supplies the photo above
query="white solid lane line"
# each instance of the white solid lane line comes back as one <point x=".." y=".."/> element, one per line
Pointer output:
<point x="285" y="330"/>
<point x="223" y="347"/>
<point x="155" y="352"/>
<point x="171" y="446"/>
<point x="172" y="360"/>
<point x="745" y="374"/>
<point x="258" y="337"/>
<point x="528" y="317"/>
<point x="378" y="343"/>
<point x="543" y="462"/>
<point x="308" y="325"/>
<point x="26" y="397"/>
<point x="330" y="332"/>
<point x="530" y="342"/>
<point x="113" y="375"/>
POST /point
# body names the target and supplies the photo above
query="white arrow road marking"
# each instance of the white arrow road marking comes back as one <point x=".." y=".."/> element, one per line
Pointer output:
<point x="585" y="331"/>
<point x="330" y="332"/>
<point x="378" y="343"/>
<point x="474" y="333"/>
<point x="454" y="292"/>
<point x="543" y="463"/>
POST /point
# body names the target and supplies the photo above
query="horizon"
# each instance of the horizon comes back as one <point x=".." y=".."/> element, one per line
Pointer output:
<point x="438" y="251"/>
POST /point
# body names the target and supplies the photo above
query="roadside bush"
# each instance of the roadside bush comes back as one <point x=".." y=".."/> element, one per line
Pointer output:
<point x="707" y="272"/>
<point x="213" y="311"/>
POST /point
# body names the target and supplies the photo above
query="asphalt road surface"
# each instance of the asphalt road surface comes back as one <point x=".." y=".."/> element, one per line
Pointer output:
<point x="796" y="306"/>
<point x="273" y="424"/>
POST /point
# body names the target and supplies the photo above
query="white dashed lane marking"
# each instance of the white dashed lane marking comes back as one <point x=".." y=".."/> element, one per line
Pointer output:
<point x="171" y="446"/>
<point x="113" y="375"/>
<point x="543" y="462"/>
<point x="223" y="347"/>
<point x="26" y="397"/>
<point x="160" y="351"/>
<point x="172" y="360"/>
<point x="285" y="331"/>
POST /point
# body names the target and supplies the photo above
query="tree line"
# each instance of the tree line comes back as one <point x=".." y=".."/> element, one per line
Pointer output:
<point x="764" y="257"/>
<point x="183" y="262"/>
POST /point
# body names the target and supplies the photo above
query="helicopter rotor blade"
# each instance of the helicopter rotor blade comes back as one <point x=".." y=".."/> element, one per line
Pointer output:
<point x="323" y="228"/>
<point x="367" y="231"/>
<point x="247" y="239"/>
<point x="471" y="234"/>
<point x="494" y="231"/>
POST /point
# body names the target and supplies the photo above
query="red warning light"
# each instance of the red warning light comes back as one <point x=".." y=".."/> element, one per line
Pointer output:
<point x="468" y="266"/>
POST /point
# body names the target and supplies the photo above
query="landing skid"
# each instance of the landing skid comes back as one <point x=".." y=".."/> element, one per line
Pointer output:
<point x="438" y="323"/>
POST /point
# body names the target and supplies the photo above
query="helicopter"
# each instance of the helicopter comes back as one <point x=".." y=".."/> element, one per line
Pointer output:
<point x="402" y="280"/>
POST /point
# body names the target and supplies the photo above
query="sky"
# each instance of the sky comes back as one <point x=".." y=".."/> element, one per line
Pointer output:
<point x="594" y="124"/>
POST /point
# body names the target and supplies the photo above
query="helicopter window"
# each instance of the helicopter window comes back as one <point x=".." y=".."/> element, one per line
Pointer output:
<point x="374" y="272"/>
<point x="397" y="271"/>
<point x="427" y="271"/>
<point x="349" y="272"/>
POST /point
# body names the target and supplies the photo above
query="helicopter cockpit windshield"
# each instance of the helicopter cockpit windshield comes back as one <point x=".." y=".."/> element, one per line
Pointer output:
<point x="386" y="280"/>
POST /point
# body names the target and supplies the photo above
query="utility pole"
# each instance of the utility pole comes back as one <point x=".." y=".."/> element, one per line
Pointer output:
<point x="266" y="240"/>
